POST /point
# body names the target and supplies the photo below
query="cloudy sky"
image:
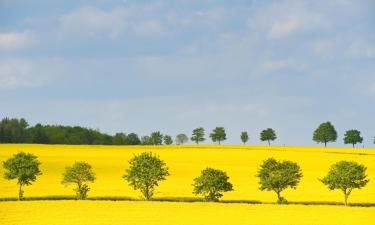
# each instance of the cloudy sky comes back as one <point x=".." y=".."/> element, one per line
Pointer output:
<point x="140" y="66"/>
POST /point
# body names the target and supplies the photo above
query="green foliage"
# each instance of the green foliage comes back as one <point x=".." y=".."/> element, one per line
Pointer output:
<point x="145" y="172"/>
<point x="168" y="140"/>
<point x="352" y="137"/>
<point x="132" y="139"/>
<point x="80" y="173"/>
<point x="13" y="130"/>
<point x="278" y="175"/>
<point x="146" y="140"/>
<point x="325" y="133"/>
<point x="218" y="135"/>
<point x="211" y="183"/>
<point x="181" y="139"/>
<point x="24" y="167"/>
<point x="119" y="139"/>
<point x="268" y="135"/>
<point x="346" y="176"/>
<point x="244" y="137"/>
<point x="198" y="135"/>
<point x="156" y="138"/>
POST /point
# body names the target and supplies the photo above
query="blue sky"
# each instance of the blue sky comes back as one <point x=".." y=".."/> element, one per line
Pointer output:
<point x="139" y="66"/>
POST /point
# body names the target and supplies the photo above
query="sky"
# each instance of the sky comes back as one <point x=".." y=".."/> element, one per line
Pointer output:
<point x="140" y="66"/>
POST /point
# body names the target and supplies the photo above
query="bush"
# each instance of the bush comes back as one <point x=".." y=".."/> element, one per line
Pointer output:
<point x="211" y="183"/>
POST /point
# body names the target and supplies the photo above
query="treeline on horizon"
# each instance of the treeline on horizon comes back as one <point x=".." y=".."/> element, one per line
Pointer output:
<point x="14" y="130"/>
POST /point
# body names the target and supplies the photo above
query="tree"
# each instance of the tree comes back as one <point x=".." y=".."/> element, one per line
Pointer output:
<point x="167" y="140"/>
<point x="244" y="137"/>
<point x="198" y="135"/>
<point x="13" y="130"/>
<point x="119" y="139"/>
<point x="145" y="172"/>
<point x="24" y="167"/>
<point x="346" y="176"/>
<point x="218" y="135"/>
<point x="352" y="137"/>
<point x="211" y="183"/>
<point x="325" y="133"/>
<point x="181" y="139"/>
<point x="268" y="135"/>
<point x="80" y="173"/>
<point x="278" y="175"/>
<point x="133" y="139"/>
<point x="146" y="140"/>
<point x="156" y="138"/>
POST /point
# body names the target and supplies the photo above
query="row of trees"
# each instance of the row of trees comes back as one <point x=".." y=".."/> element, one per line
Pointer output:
<point x="146" y="170"/>
<point x="18" y="131"/>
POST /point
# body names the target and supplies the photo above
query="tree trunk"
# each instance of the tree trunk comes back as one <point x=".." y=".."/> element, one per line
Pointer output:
<point x="20" y="193"/>
<point x="278" y="197"/>
<point x="269" y="143"/>
<point x="325" y="144"/>
<point x="353" y="145"/>
<point x="219" y="142"/>
<point x="345" y="199"/>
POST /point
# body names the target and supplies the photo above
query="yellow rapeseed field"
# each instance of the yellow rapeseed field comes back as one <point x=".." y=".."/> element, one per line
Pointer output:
<point x="185" y="163"/>
<point x="170" y="213"/>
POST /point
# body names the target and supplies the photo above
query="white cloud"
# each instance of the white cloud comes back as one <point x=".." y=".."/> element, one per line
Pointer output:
<point x="149" y="28"/>
<point x="15" y="40"/>
<point x="90" y="21"/>
<point x="282" y="19"/>
<point x="20" y="73"/>
<point x="279" y="64"/>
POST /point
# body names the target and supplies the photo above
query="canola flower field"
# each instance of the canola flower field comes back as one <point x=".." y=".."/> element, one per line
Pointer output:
<point x="185" y="163"/>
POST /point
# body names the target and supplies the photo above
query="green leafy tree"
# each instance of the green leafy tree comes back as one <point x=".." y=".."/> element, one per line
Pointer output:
<point x="218" y="135"/>
<point x="346" y="176"/>
<point x="79" y="174"/>
<point x="167" y="140"/>
<point x="244" y="137"/>
<point x="352" y="137"/>
<point x="13" y="130"/>
<point x="146" y="140"/>
<point x="181" y="139"/>
<point x="156" y="138"/>
<point x="268" y="135"/>
<point x="24" y="167"/>
<point x="145" y="172"/>
<point x="279" y="175"/>
<point x="325" y="133"/>
<point x="198" y="135"/>
<point x="119" y="139"/>
<point x="133" y="139"/>
<point x="211" y="183"/>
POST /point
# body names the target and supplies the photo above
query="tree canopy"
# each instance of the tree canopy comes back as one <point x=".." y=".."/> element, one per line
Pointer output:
<point x="218" y="135"/>
<point x="211" y="183"/>
<point x="352" y="137"/>
<point x="181" y="139"/>
<point x="346" y="176"/>
<point x="268" y="135"/>
<point x="244" y="137"/>
<point x="325" y="133"/>
<point x="24" y="167"/>
<point x="278" y="175"/>
<point x="198" y="135"/>
<point x="145" y="172"/>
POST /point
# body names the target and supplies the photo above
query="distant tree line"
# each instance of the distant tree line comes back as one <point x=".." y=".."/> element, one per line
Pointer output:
<point x="18" y="131"/>
<point x="146" y="170"/>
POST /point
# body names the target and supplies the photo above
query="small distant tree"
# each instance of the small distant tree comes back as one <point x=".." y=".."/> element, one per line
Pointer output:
<point x="167" y="140"/>
<point x="325" y="133"/>
<point x="352" y="137"/>
<point x="181" y="139"/>
<point x="268" y="135"/>
<point x="145" y="172"/>
<point x="346" y="176"/>
<point x="211" y="183"/>
<point x="146" y="140"/>
<point x="244" y="137"/>
<point x="198" y="135"/>
<point x="119" y="139"/>
<point x="218" y="135"/>
<point x="24" y="167"/>
<point x="156" y="138"/>
<point x="278" y="175"/>
<point x="79" y="174"/>
<point x="133" y="139"/>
